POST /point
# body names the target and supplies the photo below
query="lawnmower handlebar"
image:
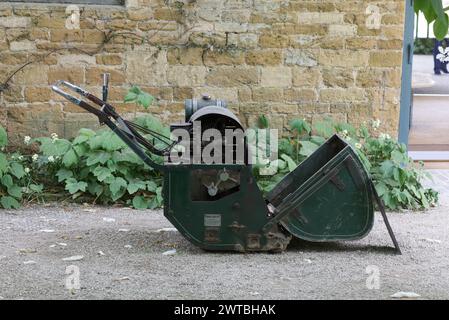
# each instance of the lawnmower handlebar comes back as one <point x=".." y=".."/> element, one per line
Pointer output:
<point x="106" y="115"/>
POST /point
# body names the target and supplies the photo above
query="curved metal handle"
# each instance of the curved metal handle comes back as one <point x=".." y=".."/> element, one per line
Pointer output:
<point x="105" y="115"/>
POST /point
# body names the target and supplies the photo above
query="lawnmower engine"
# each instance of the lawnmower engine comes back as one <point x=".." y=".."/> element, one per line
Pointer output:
<point x="215" y="202"/>
<point x="210" y="193"/>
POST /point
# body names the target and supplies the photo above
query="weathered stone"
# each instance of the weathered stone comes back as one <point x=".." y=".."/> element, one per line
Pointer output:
<point x="268" y="94"/>
<point x="283" y="58"/>
<point x="385" y="58"/>
<point x="264" y="57"/>
<point x="37" y="94"/>
<point x="232" y="76"/>
<point x="223" y="57"/>
<point x="276" y="77"/>
<point x="274" y="41"/>
<point x="300" y="95"/>
<point x="147" y="67"/>
<point x="306" y="77"/>
<point x="283" y="109"/>
<point x="76" y="60"/>
<point x="300" y="58"/>
<point x="12" y="58"/>
<point x="320" y="17"/>
<point x="184" y="76"/>
<point x="32" y="74"/>
<point x="185" y="56"/>
<point x="337" y="30"/>
<point x="360" y="43"/>
<point x="346" y="58"/>
<point x="64" y="35"/>
<point x="342" y="95"/>
<point x="230" y="95"/>
<point x="15" y="22"/>
<point x="338" y="77"/>
<point x="17" y="34"/>
<point x="24" y="45"/>
<point x="243" y="40"/>
<point x="181" y="94"/>
<point x="109" y="59"/>
<point x="156" y="25"/>
<point x="71" y="74"/>
<point x="93" y="36"/>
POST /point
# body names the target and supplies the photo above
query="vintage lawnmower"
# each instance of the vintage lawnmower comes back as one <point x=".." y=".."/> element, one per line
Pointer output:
<point x="218" y="206"/>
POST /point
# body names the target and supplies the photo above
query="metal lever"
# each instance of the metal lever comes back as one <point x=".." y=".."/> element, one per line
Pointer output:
<point x="381" y="206"/>
<point x="106" y="77"/>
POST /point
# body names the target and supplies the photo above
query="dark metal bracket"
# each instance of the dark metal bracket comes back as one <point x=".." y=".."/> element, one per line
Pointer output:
<point x="381" y="206"/>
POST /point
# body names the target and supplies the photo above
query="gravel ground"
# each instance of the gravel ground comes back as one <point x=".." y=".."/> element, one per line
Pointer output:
<point x="47" y="234"/>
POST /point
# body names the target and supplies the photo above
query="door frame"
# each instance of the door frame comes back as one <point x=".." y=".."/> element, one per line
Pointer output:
<point x="405" y="114"/>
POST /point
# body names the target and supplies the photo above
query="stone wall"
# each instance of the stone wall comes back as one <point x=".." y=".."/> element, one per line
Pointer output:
<point x="284" y="59"/>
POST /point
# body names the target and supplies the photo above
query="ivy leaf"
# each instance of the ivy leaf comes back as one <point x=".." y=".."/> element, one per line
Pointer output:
<point x="98" y="157"/>
<point x="36" y="187"/>
<point x="7" y="180"/>
<point x="139" y="202"/>
<point x="3" y="163"/>
<point x="17" y="170"/>
<point x="95" y="188"/>
<point x="50" y="147"/>
<point x="421" y="5"/>
<point x="130" y="97"/>
<point x="70" y="158"/>
<point x="145" y="100"/>
<point x="159" y="195"/>
<point x="112" y="142"/>
<point x="151" y="186"/>
<point x="117" y="185"/>
<point x="440" y="27"/>
<point x="300" y="126"/>
<point x="317" y="140"/>
<point x="15" y="191"/>
<point x="73" y="186"/>
<point x="102" y="173"/>
<point x="262" y="122"/>
<point x="3" y="137"/>
<point x="324" y="129"/>
<point x="64" y="174"/>
<point x="9" y="202"/>
<point x="307" y="148"/>
<point x="381" y="189"/>
<point x="290" y="162"/>
<point x="135" y="186"/>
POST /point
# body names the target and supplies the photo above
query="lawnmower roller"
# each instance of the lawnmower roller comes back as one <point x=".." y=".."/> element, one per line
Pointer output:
<point x="219" y="206"/>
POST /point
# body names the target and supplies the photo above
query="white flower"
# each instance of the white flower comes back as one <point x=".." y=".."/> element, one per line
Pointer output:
<point x="358" y="145"/>
<point x="375" y="124"/>
<point x="384" y="136"/>
<point x="54" y="137"/>
<point x="20" y="157"/>
<point x="344" y="133"/>
<point x="27" y="170"/>
<point x="35" y="157"/>
<point x="51" y="159"/>
<point x="27" y="139"/>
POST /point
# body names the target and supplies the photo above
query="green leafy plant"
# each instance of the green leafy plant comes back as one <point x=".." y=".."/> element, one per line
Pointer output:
<point x="16" y="180"/>
<point x="100" y="166"/>
<point x="434" y="11"/>
<point x="139" y="97"/>
<point x="398" y="180"/>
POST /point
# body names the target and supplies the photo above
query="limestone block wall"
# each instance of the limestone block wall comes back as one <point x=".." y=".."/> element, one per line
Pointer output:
<point x="281" y="58"/>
